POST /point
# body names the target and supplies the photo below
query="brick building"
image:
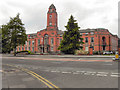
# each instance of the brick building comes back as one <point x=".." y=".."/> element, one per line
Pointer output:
<point x="48" y="39"/>
<point x="100" y="39"/>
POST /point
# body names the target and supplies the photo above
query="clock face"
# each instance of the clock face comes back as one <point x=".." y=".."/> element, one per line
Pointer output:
<point x="50" y="16"/>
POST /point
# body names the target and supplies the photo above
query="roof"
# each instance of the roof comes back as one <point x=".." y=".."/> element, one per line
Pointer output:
<point x="86" y="30"/>
<point x="91" y="30"/>
<point x="52" y="6"/>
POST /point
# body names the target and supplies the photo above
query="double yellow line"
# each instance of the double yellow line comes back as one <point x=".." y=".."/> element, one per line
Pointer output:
<point x="45" y="81"/>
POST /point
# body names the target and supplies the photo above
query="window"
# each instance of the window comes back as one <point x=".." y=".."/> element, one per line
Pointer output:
<point x="103" y="48"/>
<point x="92" y="33"/>
<point x="50" y="23"/>
<point x="22" y="48"/>
<point x="46" y="39"/>
<point x="86" y="33"/>
<point x="38" y="41"/>
<point x="32" y="42"/>
<point x="80" y="33"/>
<point x="86" y="39"/>
<point x="25" y="48"/>
<point x="60" y="40"/>
<point x="93" y="47"/>
<point x="29" y="49"/>
<point x="51" y="48"/>
<point x="86" y="48"/>
<point x="19" y="48"/>
<point x="92" y="39"/>
<point x="50" y="16"/>
<point x="33" y="49"/>
<point x="52" y="40"/>
<point x="29" y="42"/>
<point x="61" y="35"/>
<point x="25" y="42"/>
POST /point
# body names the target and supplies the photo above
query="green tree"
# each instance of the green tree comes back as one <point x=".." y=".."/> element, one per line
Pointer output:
<point x="5" y="35"/>
<point x="71" y="38"/>
<point x="16" y="31"/>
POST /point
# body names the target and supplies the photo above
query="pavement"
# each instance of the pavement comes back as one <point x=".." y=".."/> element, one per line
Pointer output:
<point x="65" y="56"/>
<point x="70" y="72"/>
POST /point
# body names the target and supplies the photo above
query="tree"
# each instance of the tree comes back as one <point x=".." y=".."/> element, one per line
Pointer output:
<point x="71" y="38"/>
<point x="5" y="35"/>
<point x="17" y="32"/>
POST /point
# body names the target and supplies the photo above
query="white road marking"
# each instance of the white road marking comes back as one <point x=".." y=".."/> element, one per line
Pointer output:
<point x="55" y="71"/>
<point x="66" y="72"/>
<point x="114" y="76"/>
<point x="80" y="71"/>
<point x="101" y="74"/>
<point x="115" y="73"/>
<point x="75" y="73"/>
<point x="86" y="73"/>
<point x="90" y="73"/>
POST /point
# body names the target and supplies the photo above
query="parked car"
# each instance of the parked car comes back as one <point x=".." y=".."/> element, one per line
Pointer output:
<point x="108" y="52"/>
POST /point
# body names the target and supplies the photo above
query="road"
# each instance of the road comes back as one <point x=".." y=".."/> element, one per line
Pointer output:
<point x="59" y="72"/>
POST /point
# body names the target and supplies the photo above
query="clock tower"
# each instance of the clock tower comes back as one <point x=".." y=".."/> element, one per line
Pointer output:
<point x="52" y="17"/>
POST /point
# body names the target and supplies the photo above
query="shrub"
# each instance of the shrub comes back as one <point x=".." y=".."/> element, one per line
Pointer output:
<point x="31" y="53"/>
<point x="95" y="52"/>
<point x="81" y="52"/>
<point x="25" y="51"/>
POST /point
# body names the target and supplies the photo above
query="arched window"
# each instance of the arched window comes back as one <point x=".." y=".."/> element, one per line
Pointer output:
<point x="46" y="39"/>
<point x="103" y="39"/>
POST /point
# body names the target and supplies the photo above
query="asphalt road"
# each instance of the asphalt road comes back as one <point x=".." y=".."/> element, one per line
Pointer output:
<point x="59" y="72"/>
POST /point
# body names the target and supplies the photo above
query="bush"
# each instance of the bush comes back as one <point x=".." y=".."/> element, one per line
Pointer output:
<point x="81" y="52"/>
<point x="31" y="53"/>
<point x="25" y="51"/>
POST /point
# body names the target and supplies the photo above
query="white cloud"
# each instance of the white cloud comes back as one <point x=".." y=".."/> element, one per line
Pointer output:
<point x="88" y="13"/>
